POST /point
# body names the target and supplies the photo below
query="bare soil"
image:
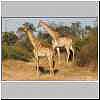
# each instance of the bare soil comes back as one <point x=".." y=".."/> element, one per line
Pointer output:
<point x="21" y="70"/>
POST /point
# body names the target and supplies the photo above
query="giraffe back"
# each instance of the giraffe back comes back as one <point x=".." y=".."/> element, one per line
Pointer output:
<point x="62" y="42"/>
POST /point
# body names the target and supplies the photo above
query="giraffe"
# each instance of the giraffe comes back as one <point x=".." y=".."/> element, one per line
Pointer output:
<point x="39" y="49"/>
<point x="58" y="41"/>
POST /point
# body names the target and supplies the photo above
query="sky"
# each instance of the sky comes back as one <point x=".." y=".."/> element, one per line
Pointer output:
<point x="12" y="24"/>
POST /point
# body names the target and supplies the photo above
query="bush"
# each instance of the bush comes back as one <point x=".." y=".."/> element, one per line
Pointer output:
<point x="19" y="53"/>
<point x="4" y="51"/>
<point x="14" y="48"/>
<point x="16" y="52"/>
<point x="9" y="37"/>
<point x="88" y="50"/>
<point x="88" y="54"/>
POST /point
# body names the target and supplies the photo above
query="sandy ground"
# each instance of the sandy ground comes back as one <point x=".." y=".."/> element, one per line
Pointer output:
<point x="21" y="70"/>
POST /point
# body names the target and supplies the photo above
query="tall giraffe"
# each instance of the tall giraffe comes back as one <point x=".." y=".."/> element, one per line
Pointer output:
<point x="39" y="49"/>
<point x="58" y="41"/>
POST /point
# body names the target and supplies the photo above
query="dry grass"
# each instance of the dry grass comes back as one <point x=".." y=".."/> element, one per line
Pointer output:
<point x="20" y="70"/>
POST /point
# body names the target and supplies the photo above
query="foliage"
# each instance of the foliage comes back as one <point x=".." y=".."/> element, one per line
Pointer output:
<point x="45" y="37"/>
<point x="76" y="28"/>
<point x="14" y="48"/>
<point x="16" y="52"/>
<point x="88" y="49"/>
<point x="4" y="51"/>
<point x="9" y="37"/>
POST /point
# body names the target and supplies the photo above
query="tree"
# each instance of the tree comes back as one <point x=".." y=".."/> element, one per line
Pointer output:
<point x="9" y="38"/>
<point x="45" y="37"/>
<point x="24" y="38"/>
<point x="76" y="28"/>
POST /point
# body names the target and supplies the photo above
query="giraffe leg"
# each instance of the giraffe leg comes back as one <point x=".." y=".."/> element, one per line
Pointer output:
<point x="72" y="52"/>
<point x="37" y="66"/>
<point x="33" y="63"/>
<point x="68" y="53"/>
<point x="58" y="53"/>
<point x="51" y="66"/>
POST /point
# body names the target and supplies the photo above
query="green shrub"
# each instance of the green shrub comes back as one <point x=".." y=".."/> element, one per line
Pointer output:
<point x="88" y="50"/>
<point x="4" y="51"/>
<point x="9" y="37"/>
<point x="16" y="52"/>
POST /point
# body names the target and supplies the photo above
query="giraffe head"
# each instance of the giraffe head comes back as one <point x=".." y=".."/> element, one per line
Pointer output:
<point x="26" y="27"/>
<point x="41" y="22"/>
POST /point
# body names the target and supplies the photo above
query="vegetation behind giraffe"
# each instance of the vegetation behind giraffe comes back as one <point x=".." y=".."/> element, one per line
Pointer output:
<point x="85" y="44"/>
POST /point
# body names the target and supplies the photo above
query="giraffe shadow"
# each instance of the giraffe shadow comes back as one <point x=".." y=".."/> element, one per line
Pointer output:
<point x="47" y="71"/>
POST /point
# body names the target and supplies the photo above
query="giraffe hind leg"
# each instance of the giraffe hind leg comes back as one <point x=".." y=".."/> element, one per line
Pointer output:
<point x="37" y="67"/>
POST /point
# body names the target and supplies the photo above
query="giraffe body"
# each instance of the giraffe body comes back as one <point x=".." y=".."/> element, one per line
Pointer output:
<point x="40" y="49"/>
<point x="58" y="41"/>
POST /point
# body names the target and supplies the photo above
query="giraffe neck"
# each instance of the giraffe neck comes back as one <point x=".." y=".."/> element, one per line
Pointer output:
<point x="53" y="34"/>
<point x="31" y="38"/>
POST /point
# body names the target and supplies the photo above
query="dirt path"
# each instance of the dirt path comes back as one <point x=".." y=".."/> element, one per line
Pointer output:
<point x="20" y="70"/>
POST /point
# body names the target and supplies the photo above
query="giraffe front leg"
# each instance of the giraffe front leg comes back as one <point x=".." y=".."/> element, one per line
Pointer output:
<point x="68" y="53"/>
<point x="58" y="53"/>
